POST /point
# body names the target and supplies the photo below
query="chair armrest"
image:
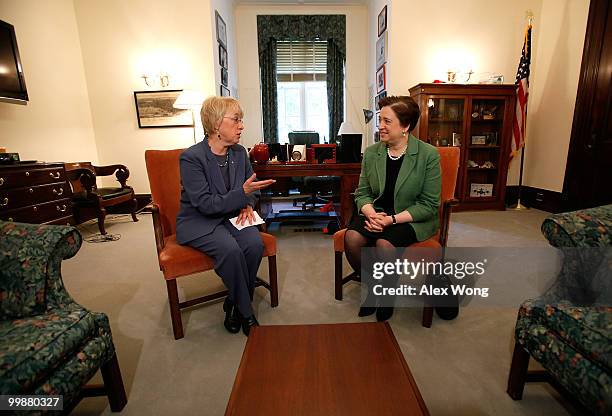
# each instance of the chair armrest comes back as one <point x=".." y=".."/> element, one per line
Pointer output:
<point x="122" y="173"/>
<point x="85" y="176"/>
<point x="30" y="261"/>
<point x="447" y="208"/>
<point x="157" y="228"/>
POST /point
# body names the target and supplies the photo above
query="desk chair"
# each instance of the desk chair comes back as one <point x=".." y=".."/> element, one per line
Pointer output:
<point x="449" y="164"/>
<point x="312" y="185"/>
<point x="176" y="260"/>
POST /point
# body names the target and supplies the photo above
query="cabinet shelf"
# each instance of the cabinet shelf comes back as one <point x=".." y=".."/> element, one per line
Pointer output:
<point x="441" y="103"/>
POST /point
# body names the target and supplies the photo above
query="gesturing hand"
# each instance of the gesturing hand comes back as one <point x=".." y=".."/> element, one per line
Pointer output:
<point x="251" y="186"/>
<point x="246" y="214"/>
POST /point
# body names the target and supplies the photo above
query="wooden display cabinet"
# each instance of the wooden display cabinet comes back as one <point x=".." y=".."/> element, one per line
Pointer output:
<point x="478" y="119"/>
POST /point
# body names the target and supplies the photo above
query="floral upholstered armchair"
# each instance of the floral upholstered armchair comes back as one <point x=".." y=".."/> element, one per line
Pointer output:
<point x="49" y="344"/>
<point x="568" y="330"/>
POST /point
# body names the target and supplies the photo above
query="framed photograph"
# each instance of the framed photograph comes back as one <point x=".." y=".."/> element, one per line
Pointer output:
<point x="452" y="112"/>
<point x="382" y="21"/>
<point x="381" y="79"/>
<point x="224" y="91"/>
<point x="381" y="50"/>
<point x="479" y="140"/>
<point x="221" y="30"/>
<point x="155" y="109"/>
<point x="377" y="119"/>
<point x="457" y="139"/>
<point x="378" y="98"/>
<point x="224" y="76"/>
<point x="222" y="56"/>
<point x="481" y="190"/>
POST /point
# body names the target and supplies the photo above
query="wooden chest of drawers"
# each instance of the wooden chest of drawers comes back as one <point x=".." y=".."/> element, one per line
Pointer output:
<point x="35" y="193"/>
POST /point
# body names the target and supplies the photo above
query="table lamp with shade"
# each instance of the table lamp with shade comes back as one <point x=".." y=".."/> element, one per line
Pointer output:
<point x="349" y="143"/>
<point x="192" y="100"/>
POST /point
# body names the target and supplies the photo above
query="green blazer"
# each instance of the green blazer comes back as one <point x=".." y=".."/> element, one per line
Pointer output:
<point x="418" y="185"/>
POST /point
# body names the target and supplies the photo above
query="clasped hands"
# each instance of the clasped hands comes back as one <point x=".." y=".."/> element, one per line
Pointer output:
<point x="250" y="186"/>
<point x="377" y="221"/>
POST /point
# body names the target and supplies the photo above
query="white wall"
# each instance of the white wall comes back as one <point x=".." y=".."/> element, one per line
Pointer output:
<point x="122" y="39"/>
<point x="226" y="10"/>
<point x="248" y="61"/>
<point x="425" y="38"/>
<point x="56" y="123"/>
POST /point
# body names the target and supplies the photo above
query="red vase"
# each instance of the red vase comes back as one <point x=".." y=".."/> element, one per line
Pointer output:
<point x="260" y="153"/>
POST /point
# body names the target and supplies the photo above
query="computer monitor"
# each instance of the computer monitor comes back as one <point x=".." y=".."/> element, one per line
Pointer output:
<point x="349" y="148"/>
<point x="304" y="137"/>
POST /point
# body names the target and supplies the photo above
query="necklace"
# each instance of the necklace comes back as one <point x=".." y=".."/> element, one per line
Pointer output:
<point x="396" y="157"/>
<point x="224" y="164"/>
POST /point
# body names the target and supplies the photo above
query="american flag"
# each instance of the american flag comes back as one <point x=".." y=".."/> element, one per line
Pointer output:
<point x="522" y="92"/>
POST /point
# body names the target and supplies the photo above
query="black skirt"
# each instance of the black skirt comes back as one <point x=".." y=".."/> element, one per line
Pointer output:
<point x="400" y="235"/>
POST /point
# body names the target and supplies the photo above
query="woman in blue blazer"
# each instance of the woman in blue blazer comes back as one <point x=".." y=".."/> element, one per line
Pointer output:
<point x="398" y="195"/>
<point x="218" y="183"/>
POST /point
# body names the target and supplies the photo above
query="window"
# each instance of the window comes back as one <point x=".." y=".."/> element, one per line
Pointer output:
<point x="301" y="70"/>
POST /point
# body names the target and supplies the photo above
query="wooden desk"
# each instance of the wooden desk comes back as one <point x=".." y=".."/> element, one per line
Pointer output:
<point x="348" y="173"/>
<point x="338" y="369"/>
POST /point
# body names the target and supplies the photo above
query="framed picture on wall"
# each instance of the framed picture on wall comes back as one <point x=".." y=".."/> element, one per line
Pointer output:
<point x="377" y="119"/>
<point x="378" y="98"/>
<point x="222" y="56"/>
<point x="221" y="30"/>
<point x="382" y="21"/>
<point x="224" y="91"/>
<point x="381" y="81"/>
<point x="381" y="50"/>
<point x="224" y="76"/>
<point x="155" y="109"/>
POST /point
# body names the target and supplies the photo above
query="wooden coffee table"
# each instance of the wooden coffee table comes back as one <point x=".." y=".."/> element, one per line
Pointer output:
<point x="335" y="369"/>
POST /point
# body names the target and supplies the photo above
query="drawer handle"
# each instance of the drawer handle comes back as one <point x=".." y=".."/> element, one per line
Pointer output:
<point x="4" y="202"/>
<point x="55" y="175"/>
<point x="62" y="209"/>
<point x="31" y="190"/>
<point x="27" y="173"/>
<point x="10" y="219"/>
<point x="60" y="192"/>
<point x="1" y="181"/>
<point x="35" y="209"/>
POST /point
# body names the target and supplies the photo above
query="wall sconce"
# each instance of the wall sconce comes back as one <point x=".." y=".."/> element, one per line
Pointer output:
<point x="151" y="80"/>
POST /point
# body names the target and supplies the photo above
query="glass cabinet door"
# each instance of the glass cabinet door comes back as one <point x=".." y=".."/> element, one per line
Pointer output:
<point x="483" y="148"/>
<point x="445" y="121"/>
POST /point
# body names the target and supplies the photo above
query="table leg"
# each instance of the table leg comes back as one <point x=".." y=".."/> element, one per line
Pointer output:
<point x="348" y="184"/>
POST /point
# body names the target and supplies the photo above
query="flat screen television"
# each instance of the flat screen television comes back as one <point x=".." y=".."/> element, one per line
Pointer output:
<point x="12" y="82"/>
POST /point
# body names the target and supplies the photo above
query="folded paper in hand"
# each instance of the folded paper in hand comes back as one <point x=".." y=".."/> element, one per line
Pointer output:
<point x="257" y="221"/>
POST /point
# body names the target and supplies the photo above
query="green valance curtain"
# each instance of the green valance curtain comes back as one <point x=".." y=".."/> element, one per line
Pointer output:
<point x="273" y="28"/>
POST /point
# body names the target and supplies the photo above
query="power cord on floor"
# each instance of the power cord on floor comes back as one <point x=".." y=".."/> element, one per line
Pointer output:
<point x="99" y="238"/>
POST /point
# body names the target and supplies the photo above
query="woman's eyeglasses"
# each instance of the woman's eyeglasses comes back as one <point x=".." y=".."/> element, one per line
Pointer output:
<point x="236" y="120"/>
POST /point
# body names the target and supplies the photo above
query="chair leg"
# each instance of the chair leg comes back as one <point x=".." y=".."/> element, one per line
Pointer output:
<point x="273" y="281"/>
<point x="518" y="372"/>
<point x="427" y="316"/>
<point x="175" y="311"/>
<point x="338" y="274"/>
<point x="134" y="208"/>
<point x="101" y="217"/>
<point x="113" y="384"/>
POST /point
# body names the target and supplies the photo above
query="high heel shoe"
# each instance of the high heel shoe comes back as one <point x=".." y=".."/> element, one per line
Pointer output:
<point x="384" y="313"/>
<point x="247" y="323"/>
<point x="366" y="311"/>
<point x="232" y="317"/>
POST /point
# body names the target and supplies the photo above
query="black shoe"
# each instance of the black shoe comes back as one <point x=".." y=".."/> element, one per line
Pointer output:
<point x="384" y="313"/>
<point x="232" y="317"/>
<point x="247" y="323"/>
<point x="366" y="311"/>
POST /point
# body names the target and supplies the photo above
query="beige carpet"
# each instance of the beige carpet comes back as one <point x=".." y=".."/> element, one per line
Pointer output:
<point x="460" y="366"/>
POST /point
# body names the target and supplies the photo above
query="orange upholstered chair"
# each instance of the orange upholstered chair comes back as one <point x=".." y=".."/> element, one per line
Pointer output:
<point x="176" y="260"/>
<point x="449" y="164"/>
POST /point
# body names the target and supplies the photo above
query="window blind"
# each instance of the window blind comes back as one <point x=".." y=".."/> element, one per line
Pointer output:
<point x="301" y="61"/>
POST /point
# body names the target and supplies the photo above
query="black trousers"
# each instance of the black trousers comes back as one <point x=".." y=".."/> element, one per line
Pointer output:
<point x="237" y="255"/>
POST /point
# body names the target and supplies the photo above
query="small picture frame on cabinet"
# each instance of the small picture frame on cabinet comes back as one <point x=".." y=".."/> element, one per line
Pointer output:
<point x="479" y="140"/>
<point x="457" y="139"/>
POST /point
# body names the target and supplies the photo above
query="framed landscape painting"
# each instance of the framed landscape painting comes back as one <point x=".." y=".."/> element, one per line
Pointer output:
<point x="155" y="109"/>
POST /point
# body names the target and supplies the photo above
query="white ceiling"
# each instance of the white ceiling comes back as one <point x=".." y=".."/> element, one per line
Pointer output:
<point x="299" y="2"/>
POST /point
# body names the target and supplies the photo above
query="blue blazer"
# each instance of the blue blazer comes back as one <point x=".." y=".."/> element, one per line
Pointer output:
<point x="205" y="200"/>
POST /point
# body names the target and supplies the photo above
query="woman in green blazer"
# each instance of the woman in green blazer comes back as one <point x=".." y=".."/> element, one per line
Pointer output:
<point x="399" y="190"/>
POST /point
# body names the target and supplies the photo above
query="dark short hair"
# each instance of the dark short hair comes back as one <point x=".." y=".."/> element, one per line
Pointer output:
<point x="404" y="107"/>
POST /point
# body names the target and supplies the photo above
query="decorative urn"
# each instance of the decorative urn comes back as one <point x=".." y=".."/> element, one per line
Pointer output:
<point x="259" y="153"/>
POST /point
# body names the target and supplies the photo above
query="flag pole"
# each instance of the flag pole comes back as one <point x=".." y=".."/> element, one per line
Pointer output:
<point x="519" y="206"/>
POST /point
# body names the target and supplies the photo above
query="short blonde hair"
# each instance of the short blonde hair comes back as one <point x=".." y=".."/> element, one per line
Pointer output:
<point x="214" y="109"/>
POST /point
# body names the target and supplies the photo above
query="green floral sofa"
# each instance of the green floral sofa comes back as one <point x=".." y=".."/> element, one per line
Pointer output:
<point x="568" y="330"/>
<point x="49" y="344"/>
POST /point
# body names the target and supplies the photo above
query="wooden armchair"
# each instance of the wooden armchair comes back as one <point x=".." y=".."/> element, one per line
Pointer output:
<point x="449" y="164"/>
<point x="89" y="201"/>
